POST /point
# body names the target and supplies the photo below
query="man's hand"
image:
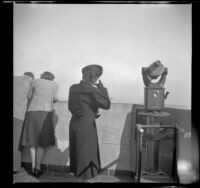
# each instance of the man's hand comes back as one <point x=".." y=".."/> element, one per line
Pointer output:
<point x="100" y="84"/>
<point x="165" y="71"/>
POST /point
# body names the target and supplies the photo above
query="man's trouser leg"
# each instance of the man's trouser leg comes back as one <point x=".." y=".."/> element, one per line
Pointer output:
<point x="17" y="130"/>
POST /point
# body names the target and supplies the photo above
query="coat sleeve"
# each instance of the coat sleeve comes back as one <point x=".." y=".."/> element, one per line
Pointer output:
<point x="70" y="101"/>
<point x="101" y="98"/>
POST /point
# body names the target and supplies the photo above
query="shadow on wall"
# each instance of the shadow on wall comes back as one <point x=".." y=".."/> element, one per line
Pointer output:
<point x="124" y="145"/>
<point x="127" y="142"/>
<point x="126" y="159"/>
<point x="120" y="142"/>
<point x="59" y="154"/>
<point x="56" y="156"/>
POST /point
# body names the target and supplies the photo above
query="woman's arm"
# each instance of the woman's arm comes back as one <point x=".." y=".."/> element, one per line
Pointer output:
<point x="30" y="93"/>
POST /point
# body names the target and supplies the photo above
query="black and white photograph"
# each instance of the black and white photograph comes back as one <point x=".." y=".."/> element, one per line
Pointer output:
<point x="102" y="93"/>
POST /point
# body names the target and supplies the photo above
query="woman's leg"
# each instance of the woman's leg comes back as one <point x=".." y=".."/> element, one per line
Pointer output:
<point x="33" y="155"/>
<point x="40" y="152"/>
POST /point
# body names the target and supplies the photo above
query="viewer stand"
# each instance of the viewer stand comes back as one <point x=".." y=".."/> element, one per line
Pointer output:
<point x="151" y="133"/>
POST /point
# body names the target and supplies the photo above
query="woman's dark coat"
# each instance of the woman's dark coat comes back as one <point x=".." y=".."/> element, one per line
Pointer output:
<point x="84" y="101"/>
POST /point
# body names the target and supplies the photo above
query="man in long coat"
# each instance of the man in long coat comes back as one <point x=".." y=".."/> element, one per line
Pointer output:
<point x="84" y="101"/>
<point x="21" y="86"/>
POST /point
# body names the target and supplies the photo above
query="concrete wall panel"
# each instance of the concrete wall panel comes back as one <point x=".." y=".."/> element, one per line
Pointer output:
<point x="116" y="133"/>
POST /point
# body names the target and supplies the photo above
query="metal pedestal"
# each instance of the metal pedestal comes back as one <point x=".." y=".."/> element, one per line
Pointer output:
<point x="152" y="146"/>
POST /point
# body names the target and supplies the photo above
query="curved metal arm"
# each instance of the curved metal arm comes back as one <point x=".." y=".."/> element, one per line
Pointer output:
<point x="161" y="82"/>
<point x="147" y="78"/>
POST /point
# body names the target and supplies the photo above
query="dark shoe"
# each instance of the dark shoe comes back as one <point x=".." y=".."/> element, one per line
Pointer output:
<point x="37" y="173"/>
<point x="15" y="172"/>
<point x="31" y="172"/>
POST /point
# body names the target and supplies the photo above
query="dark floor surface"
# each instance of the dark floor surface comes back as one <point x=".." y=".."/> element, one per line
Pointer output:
<point x="65" y="177"/>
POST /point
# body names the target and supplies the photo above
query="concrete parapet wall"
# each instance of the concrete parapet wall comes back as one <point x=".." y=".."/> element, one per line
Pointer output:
<point x="116" y="134"/>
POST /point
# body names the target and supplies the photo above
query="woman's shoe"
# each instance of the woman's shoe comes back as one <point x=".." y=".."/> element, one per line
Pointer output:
<point x="32" y="171"/>
<point x="37" y="172"/>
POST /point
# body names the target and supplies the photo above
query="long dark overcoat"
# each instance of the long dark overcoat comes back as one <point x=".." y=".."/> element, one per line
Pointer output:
<point x="84" y="102"/>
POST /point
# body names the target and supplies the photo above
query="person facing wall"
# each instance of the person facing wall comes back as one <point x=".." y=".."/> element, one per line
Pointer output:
<point x="21" y="86"/>
<point x="38" y="131"/>
<point x="84" y="101"/>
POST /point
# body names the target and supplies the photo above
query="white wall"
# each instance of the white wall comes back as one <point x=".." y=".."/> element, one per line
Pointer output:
<point x="122" y="38"/>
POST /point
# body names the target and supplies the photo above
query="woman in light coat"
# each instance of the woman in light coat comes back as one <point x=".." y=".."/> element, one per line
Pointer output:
<point x="38" y="130"/>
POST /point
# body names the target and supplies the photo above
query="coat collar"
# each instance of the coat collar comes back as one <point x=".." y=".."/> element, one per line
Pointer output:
<point x="83" y="87"/>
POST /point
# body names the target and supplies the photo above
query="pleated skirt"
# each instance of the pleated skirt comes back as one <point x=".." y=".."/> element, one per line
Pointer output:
<point x="38" y="129"/>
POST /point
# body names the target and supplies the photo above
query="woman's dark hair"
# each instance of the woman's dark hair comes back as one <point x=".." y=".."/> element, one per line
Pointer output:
<point x="47" y="76"/>
<point x="29" y="74"/>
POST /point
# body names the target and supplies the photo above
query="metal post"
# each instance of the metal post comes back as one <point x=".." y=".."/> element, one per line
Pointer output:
<point x="152" y="148"/>
<point x="174" y="162"/>
<point x="139" y="153"/>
